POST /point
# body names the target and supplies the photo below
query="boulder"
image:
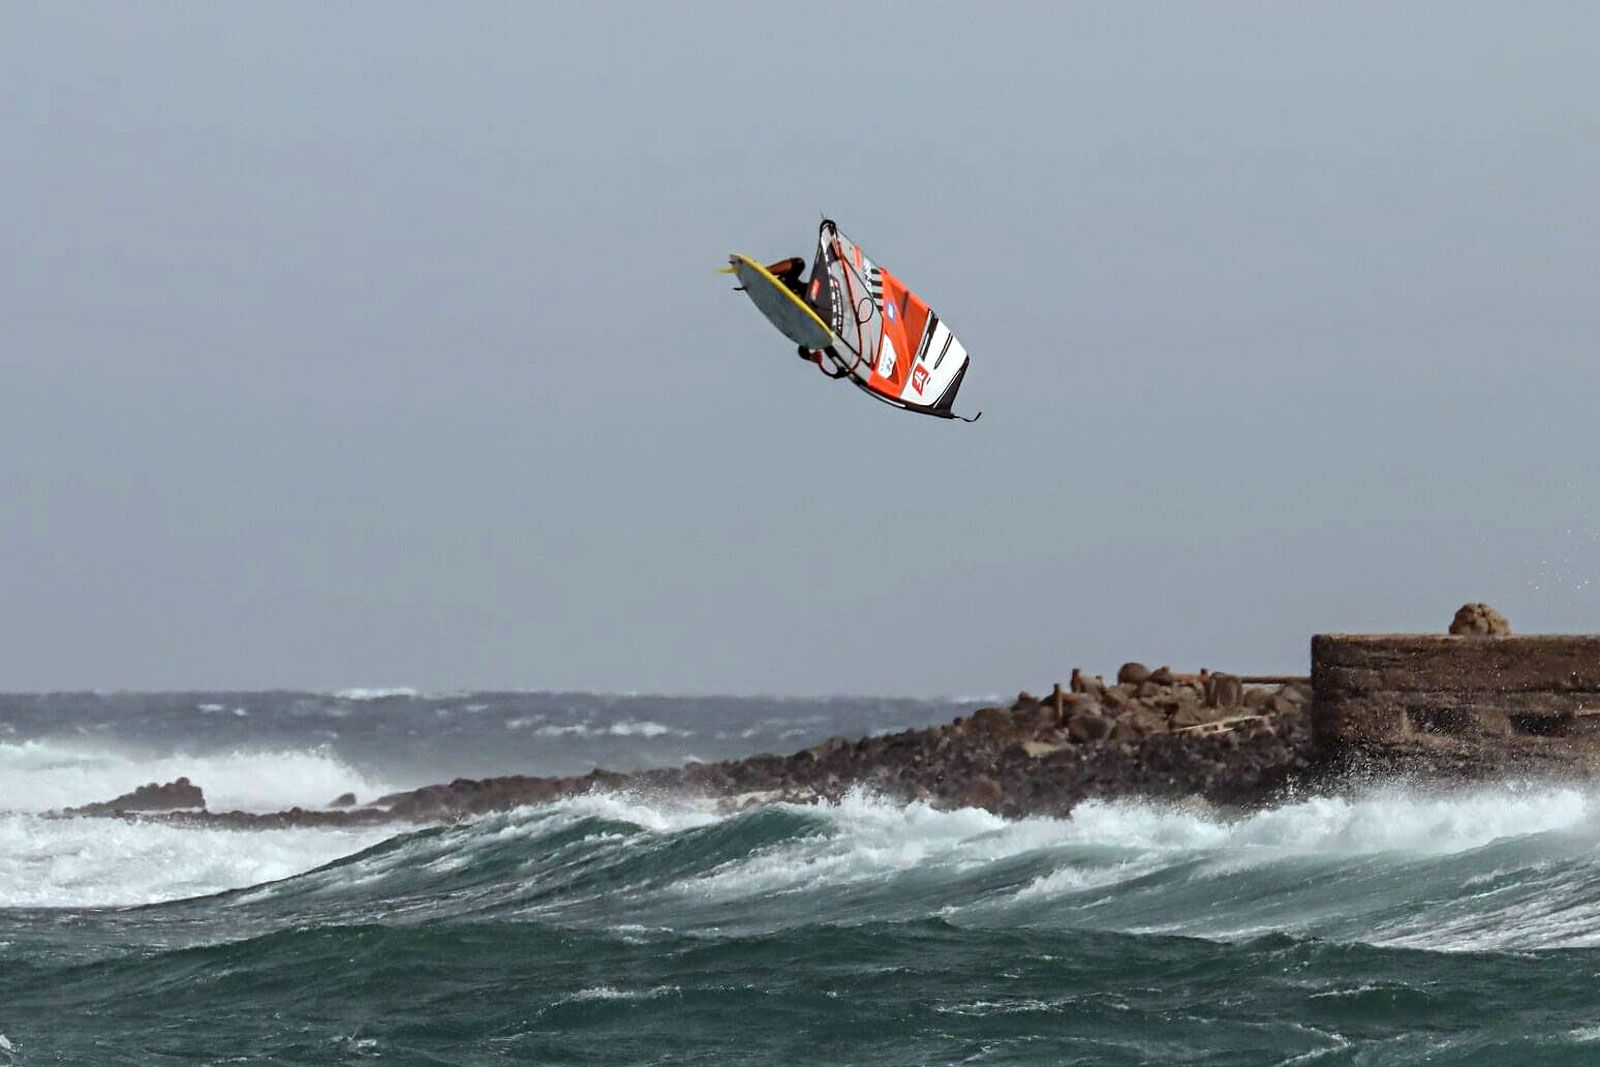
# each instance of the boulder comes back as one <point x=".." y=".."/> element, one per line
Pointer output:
<point x="982" y="792"/>
<point x="181" y="795"/>
<point x="1132" y="673"/>
<point x="1163" y="676"/>
<point x="1146" y="722"/>
<point x="832" y="747"/>
<point x="343" y="800"/>
<point x="1087" y="726"/>
<point x="1256" y="697"/>
<point x="1043" y="717"/>
<point x="1479" y="620"/>
<point x="1223" y="691"/>
<point x="1124" y="731"/>
<point x="990" y="718"/>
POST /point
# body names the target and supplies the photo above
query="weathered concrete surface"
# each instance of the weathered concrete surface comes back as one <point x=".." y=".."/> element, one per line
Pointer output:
<point x="1525" y="694"/>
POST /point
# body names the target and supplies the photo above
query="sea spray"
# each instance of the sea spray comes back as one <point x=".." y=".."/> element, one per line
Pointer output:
<point x="81" y="863"/>
<point x="1352" y="868"/>
<point x="658" y="929"/>
<point x="47" y="775"/>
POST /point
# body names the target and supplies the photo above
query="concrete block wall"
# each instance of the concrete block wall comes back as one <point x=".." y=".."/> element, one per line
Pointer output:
<point x="1384" y="688"/>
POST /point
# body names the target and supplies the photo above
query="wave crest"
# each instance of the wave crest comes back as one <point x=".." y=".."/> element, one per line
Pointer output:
<point x="37" y="776"/>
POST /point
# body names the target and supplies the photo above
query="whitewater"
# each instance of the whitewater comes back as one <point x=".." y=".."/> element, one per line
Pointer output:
<point x="1388" y="925"/>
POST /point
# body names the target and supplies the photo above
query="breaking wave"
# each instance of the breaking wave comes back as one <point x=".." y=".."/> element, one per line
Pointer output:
<point x="38" y="776"/>
<point x="1368" y="928"/>
<point x="84" y="863"/>
<point x="1506" y="868"/>
<point x="537" y="725"/>
<point x="392" y="692"/>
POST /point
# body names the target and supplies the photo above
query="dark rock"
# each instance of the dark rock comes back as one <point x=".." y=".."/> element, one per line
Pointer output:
<point x="1257" y="698"/>
<point x="1479" y="620"/>
<point x="1084" y="706"/>
<point x="982" y="792"/>
<point x="1044" y="717"/>
<point x="1163" y="676"/>
<point x="181" y="795"/>
<point x="1145" y="721"/>
<point x="990" y="718"/>
<point x="1132" y="673"/>
<point x="833" y="747"/>
<point x="1223" y="691"/>
<point x="1123" y="730"/>
<point x="1085" y="726"/>
<point x="343" y="800"/>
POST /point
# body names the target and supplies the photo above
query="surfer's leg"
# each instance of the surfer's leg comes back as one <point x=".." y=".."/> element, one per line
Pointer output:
<point x="784" y="269"/>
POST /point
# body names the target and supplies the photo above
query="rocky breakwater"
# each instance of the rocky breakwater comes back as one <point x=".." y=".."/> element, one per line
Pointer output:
<point x="152" y="798"/>
<point x="1152" y="733"/>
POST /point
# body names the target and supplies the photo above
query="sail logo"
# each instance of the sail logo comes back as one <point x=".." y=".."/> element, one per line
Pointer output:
<point x="887" y="357"/>
<point x="919" y="378"/>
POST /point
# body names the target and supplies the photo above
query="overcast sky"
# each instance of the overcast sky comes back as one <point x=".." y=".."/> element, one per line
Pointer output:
<point x="381" y="344"/>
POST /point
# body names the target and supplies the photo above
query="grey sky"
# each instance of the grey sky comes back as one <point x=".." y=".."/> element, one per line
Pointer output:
<point x="381" y="344"/>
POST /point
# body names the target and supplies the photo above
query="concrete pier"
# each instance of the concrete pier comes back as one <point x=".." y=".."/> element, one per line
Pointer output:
<point x="1372" y="690"/>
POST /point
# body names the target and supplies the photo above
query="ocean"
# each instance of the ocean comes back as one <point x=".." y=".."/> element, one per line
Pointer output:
<point x="1391" y="925"/>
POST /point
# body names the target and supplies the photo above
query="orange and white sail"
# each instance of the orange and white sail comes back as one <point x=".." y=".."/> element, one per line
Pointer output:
<point x="890" y="342"/>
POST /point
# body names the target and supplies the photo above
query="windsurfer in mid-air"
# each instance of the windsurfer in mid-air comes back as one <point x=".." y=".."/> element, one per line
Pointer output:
<point x="789" y="271"/>
<point x="856" y="320"/>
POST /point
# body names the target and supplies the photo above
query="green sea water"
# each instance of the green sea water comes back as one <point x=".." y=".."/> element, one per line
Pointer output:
<point x="1388" y="927"/>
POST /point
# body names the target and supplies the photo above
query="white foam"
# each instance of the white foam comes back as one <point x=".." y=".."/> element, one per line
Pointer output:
<point x="643" y="728"/>
<point x="1381" y="821"/>
<point x="377" y="693"/>
<point x="572" y="729"/>
<point x="656" y="816"/>
<point x="219" y="709"/>
<point x="606" y="992"/>
<point x="38" y="776"/>
<point x="106" y="862"/>
<point x="629" y="728"/>
<point x="1111" y="843"/>
<point x="875" y="837"/>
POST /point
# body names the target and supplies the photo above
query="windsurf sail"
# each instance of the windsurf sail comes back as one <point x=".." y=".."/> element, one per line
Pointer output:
<point x="889" y="341"/>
